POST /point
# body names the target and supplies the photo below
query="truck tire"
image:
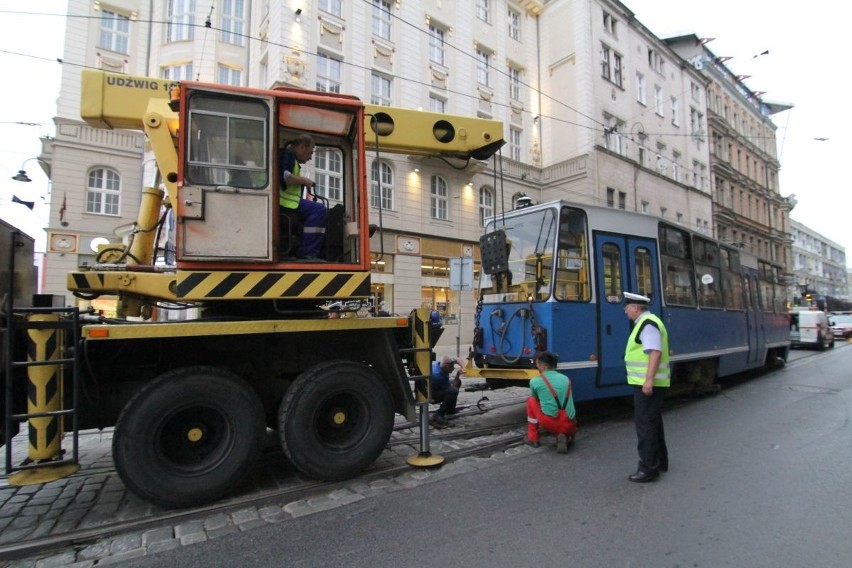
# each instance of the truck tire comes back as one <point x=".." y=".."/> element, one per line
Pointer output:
<point x="335" y="420"/>
<point x="188" y="437"/>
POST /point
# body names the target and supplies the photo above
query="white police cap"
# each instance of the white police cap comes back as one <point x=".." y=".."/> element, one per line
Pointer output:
<point x="630" y="298"/>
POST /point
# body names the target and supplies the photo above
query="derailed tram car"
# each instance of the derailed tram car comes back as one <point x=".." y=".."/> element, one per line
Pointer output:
<point x="553" y="279"/>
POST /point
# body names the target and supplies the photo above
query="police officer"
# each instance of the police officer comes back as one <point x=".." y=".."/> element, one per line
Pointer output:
<point x="646" y="359"/>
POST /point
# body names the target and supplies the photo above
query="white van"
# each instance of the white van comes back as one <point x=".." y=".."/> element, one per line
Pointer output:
<point x="810" y="328"/>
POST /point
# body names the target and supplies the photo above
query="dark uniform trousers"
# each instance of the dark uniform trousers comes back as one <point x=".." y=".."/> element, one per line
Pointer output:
<point x="648" y="415"/>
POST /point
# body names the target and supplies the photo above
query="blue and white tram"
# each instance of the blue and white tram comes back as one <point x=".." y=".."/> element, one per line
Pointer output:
<point x="553" y="278"/>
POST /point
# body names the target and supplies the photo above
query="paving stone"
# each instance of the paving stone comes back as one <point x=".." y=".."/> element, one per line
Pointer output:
<point x="58" y="561"/>
<point x="122" y="557"/>
<point x="217" y="521"/>
<point x="244" y="515"/>
<point x="160" y="534"/>
<point x="222" y="531"/>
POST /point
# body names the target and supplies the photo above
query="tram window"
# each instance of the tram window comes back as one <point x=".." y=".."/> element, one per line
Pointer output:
<point x="709" y="295"/>
<point x="732" y="290"/>
<point x="642" y="269"/>
<point x="572" y="280"/>
<point x="611" y="260"/>
<point x="675" y="242"/>
<point x="677" y="282"/>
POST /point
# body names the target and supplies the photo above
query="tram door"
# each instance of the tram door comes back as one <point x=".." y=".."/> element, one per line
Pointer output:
<point x="754" y="320"/>
<point x="621" y="264"/>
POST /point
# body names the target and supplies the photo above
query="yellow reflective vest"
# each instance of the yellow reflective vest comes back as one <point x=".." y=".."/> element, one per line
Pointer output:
<point x="636" y="360"/>
<point x="290" y="195"/>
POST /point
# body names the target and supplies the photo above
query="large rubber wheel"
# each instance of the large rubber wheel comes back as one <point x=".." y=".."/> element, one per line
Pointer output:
<point x="189" y="436"/>
<point x="335" y="420"/>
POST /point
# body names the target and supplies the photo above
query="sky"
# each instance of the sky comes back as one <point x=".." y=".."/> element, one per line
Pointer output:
<point x="30" y="44"/>
<point x="805" y="66"/>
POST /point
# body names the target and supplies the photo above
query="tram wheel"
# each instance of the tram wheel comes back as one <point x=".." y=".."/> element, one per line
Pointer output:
<point x="188" y="436"/>
<point x="335" y="420"/>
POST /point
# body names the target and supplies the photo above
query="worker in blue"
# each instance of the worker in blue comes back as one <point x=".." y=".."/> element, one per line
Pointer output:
<point x="646" y="359"/>
<point x="445" y="390"/>
<point x="313" y="214"/>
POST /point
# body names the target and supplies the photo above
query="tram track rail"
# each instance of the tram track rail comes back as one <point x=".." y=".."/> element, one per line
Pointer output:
<point x="298" y="489"/>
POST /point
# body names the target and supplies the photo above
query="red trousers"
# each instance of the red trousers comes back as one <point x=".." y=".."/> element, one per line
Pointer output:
<point x="560" y="424"/>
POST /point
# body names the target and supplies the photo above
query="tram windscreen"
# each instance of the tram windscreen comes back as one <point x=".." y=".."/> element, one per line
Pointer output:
<point x="535" y="238"/>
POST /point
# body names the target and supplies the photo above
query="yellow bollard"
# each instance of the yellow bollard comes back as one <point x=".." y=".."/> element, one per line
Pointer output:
<point x="45" y="394"/>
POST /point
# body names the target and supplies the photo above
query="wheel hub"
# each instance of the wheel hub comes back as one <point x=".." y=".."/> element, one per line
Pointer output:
<point x="194" y="434"/>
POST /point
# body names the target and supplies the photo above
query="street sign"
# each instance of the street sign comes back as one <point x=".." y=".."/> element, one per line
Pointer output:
<point x="461" y="274"/>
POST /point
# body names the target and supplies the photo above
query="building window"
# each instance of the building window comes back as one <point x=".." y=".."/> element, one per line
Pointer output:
<point x="617" y="76"/>
<point x="437" y="104"/>
<point x="643" y="155"/>
<point x="230" y="76"/>
<point x="609" y="24"/>
<point x="482" y="67"/>
<point x="486" y="205"/>
<point x="381" y="90"/>
<point x="382" y="19"/>
<point x="436" y="45"/>
<point x="675" y="165"/>
<point x="696" y="121"/>
<point x="611" y="65"/>
<point x="483" y="10"/>
<point x="622" y="200"/>
<point x="438" y="203"/>
<point x="514" y="84"/>
<point x="612" y="136"/>
<point x="641" y="95"/>
<point x="515" y="143"/>
<point x="328" y="73"/>
<point x="381" y="191"/>
<point x="658" y="100"/>
<point x="695" y="90"/>
<point x="645" y="207"/>
<point x="103" y="192"/>
<point x="610" y="197"/>
<point x="656" y="61"/>
<point x="328" y="173"/>
<point x="233" y="20"/>
<point x="333" y="7"/>
<point x="514" y="21"/>
<point x="181" y="20"/>
<point x="177" y="72"/>
<point x="115" y="32"/>
<point x="675" y="112"/>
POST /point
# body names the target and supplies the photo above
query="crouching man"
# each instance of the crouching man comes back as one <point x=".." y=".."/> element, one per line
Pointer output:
<point x="550" y="405"/>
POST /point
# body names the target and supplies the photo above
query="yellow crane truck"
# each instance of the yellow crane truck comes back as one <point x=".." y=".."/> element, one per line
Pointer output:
<point x="191" y="399"/>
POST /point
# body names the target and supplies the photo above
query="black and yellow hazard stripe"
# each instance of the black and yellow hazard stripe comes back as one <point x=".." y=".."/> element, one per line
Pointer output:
<point x="199" y="285"/>
<point x="231" y="285"/>
<point x="44" y="391"/>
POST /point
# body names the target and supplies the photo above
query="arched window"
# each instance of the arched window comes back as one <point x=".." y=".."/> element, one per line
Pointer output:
<point x="486" y="205"/>
<point x="438" y="204"/>
<point x="328" y="167"/>
<point x="103" y="192"/>
<point x="381" y="187"/>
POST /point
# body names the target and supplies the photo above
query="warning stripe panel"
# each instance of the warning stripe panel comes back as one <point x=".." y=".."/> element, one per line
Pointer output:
<point x="240" y="285"/>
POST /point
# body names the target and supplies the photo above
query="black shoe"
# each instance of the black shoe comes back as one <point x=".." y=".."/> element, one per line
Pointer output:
<point x="562" y="444"/>
<point x="439" y="421"/>
<point x="643" y="476"/>
<point x="530" y="443"/>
